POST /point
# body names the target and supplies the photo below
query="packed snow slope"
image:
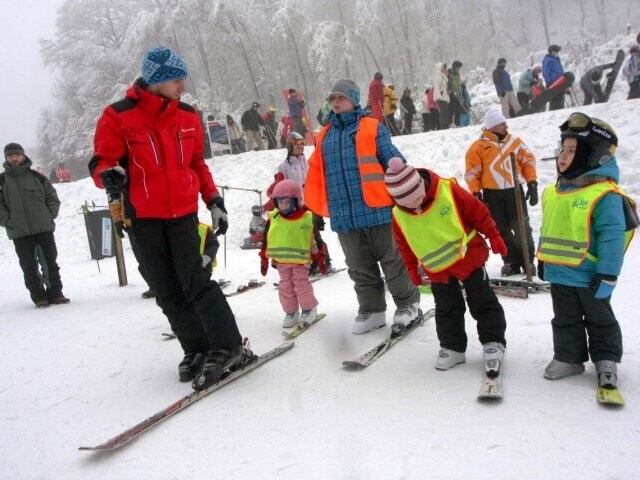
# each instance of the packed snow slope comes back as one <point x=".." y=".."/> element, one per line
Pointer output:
<point x="81" y="373"/>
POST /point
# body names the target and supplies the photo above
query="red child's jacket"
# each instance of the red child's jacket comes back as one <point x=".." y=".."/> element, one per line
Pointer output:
<point x="474" y="215"/>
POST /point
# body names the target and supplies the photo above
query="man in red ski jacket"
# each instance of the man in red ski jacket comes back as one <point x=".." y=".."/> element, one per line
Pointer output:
<point x="376" y="97"/>
<point x="149" y="147"/>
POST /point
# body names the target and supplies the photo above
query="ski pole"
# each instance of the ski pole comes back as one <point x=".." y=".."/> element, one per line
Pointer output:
<point x="521" y="219"/>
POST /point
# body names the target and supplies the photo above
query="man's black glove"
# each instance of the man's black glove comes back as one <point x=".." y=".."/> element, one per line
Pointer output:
<point x="219" y="220"/>
<point x="532" y="193"/>
<point x="541" y="270"/>
<point x="113" y="179"/>
<point x="478" y="195"/>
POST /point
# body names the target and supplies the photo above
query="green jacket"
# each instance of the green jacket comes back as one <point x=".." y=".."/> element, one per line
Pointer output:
<point x="28" y="201"/>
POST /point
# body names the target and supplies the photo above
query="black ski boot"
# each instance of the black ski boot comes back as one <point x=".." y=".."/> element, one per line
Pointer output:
<point x="508" y="269"/>
<point x="218" y="363"/>
<point x="190" y="366"/>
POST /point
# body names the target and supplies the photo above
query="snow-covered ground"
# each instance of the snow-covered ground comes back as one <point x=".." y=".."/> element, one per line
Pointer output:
<point x="81" y="373"/>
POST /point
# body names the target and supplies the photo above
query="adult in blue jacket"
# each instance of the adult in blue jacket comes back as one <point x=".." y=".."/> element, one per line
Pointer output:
<point x="552" y="70"/>
<point x="504" y="89"/>
<point x="336" y="183"/>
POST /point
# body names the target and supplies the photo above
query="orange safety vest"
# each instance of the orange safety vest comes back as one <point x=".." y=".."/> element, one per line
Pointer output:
<point x="374" y="190"/>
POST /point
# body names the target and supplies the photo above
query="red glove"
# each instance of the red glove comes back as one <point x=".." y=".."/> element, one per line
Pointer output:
<point x="497" y="243"/>
<point x="415" y="275"/>
<point x="321" y="258"/>
<point x="264" y="263"/>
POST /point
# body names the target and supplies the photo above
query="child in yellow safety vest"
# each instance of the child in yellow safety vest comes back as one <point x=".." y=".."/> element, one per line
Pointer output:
<point x="587" y="223"/>
<point x="291" y="242"/>
<point x="436" y="224"/>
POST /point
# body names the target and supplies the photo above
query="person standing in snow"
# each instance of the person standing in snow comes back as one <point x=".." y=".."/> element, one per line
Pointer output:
<point x="390" y="106"/>
<point x="528" y="79"/>
<point x="296" y="111"/>
<point x="295" y="168"/>
<point x="465" y="105"/>
<point x="376" y="97"/>
<point x="346" y="182"/>
<point x="451" y="251"/>
<point x="631" y="71"/>
<point x="408" y="111"/>
<point x="489" y="177"/>
<point x="149" y="146"/>
<point x="504" y="89"/>
<point x="581" y="250"/>
<point x="28" y="207"/>
<point x="430" y="111"/>
<point x="251" y="122"/>
<point x="552" y="70"/>
<point x="441" y="94"/>
<point x="270" y="128"/>
<point x="455" y="90"/>
<point x="291" y="242"/>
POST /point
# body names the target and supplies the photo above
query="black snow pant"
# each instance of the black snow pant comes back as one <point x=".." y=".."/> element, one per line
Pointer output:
<point x="583" y="326"/>
<point x="40" y="246"/>
<point x="634" y="90"/>
<point x="502" y="205"/>
<point x="193" y="303"/>
<point x="444" y="115"/>
<point x="483" y="305"/>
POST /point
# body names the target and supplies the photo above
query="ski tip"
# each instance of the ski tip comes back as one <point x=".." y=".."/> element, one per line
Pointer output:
<point x="351" y="365"/>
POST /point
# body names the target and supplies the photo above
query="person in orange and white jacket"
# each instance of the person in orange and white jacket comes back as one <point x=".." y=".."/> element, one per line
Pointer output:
<point x="490" y="178"/>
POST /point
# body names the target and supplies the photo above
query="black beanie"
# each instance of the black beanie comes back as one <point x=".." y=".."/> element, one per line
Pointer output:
<point x="13" y="148"/>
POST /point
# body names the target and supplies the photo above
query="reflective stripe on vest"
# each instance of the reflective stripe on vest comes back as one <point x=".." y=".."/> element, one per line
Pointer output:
<point x="565" y="234"/>
<point x="374" y="191"/>
<point x="436" y="236"/>
<point x="289" y="241"/>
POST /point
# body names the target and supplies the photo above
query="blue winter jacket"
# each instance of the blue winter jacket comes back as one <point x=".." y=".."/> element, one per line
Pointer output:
<point x="606" y="242"/>
<point x="295" y="106"/>
<point x="551" y="69"/>
<point x="344" y="190"/>
<point x="502" y="81"/>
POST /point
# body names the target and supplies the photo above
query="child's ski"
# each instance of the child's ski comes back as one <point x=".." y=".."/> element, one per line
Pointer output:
<point x="244" y="288"/>
<point x="291" y="334"/>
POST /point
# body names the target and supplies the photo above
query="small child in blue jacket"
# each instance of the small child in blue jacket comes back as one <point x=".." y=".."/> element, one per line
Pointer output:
<point x="587" y="224"/>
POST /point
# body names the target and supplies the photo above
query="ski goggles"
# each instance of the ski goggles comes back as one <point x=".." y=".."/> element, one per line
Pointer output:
<point x="583" y="125"/>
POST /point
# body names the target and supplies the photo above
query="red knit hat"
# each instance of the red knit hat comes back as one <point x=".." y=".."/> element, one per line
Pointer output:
<point x="404" y="183"/>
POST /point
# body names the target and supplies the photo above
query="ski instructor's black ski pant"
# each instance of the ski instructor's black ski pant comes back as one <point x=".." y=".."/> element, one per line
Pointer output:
<point x="194" y="304"/>
<point x="502" y="205"/>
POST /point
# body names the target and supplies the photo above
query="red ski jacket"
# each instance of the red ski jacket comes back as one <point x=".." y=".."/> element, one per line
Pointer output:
<point x="474" y="215"/>
<point x="160" y="144"/>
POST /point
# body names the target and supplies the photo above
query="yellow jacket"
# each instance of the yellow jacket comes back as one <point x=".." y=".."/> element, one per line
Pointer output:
<point x="390" y="104"/>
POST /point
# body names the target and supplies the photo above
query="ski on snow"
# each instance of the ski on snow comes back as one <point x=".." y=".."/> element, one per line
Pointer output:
<point x="298" y="329"/>
<point x="609" y="396"/>
<point x="245" y="288"/>
<point x="491" y="388"/>
<point x="128" y="435"/>
<point x="366" y="359"/>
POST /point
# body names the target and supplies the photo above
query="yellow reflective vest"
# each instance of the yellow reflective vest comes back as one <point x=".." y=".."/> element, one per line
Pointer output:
<point x="436" y="236"/>
<point x="565" y="234"/>
<point x="289" y="241"/>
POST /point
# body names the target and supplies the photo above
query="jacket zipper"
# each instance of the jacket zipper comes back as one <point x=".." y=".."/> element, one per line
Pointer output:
<point x="155" y="151"/>
<point x="144" y="175"/>
<point x="181" y="150"/>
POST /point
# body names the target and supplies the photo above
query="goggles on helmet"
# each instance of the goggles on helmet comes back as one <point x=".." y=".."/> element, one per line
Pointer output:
<point x="583" y="125"/>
